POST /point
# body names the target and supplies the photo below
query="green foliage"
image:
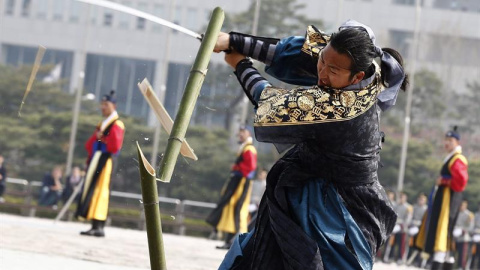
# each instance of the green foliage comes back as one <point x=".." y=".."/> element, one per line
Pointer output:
<point x="421" y="169"/>
<point x="202" y="179"/>
<point x="278" y="18"/>
<point x="428" y="102"/>
<point x="465" y="107"/>
<point x="38" y="140"/>
<point x="473" y="187"/>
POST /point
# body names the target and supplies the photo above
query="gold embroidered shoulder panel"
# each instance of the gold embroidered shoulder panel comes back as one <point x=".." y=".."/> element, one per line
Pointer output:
<point x="314" y="105"/>
<point x="315" y="41"/>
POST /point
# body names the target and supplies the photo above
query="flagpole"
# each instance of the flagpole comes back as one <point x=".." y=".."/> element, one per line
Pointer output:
<point x="406" y="131"/>
<point x="78" y="96"/>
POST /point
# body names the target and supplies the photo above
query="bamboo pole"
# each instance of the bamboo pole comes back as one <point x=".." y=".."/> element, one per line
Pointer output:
<point x="192" y="90"/>
<point x="152" y="213"/>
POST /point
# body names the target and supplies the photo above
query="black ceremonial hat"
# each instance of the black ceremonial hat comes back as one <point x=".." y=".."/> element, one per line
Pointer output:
<point x="110" y="97"/>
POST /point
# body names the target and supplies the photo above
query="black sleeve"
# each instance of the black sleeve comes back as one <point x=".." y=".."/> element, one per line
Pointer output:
<point x="258" y="48"/>
<point x="251" y="80"/>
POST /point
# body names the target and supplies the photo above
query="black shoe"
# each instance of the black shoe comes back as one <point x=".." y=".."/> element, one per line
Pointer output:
<point x="224" y="246"/>
<point x="90" y="232"/>
<point x="99" y="233"/>
<point x="448" y="266"/>
<point x="437" y="266"/>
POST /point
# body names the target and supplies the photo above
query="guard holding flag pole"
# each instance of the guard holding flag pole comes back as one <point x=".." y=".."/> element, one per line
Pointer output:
<point x="102" y="146"/>
<point x="436" y="232"/>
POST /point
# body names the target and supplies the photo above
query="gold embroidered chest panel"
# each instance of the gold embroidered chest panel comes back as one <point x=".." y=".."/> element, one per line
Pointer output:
<point x="314" y="105"/>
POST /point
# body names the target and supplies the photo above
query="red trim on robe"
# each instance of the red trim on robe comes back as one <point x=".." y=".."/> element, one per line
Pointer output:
<point x="248" y="163"/>
<point x="114" y="139"/>
<point x="459" y="173"/>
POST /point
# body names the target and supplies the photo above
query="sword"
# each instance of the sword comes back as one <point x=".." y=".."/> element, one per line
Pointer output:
<point x="141" y="14"/>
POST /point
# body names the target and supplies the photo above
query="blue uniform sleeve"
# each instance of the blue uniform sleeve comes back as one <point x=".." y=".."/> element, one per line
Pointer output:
<point x="291" y="65"/>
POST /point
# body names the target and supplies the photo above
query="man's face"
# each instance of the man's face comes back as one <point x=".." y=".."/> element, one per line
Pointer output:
<point x="76" y="171"/>
<point x="391" y="196"/>
<point x="422" y="200"/>
<point x="57" y="173"/>
<point x="107" y="108"/>
<point x="450" y="143"/>
<point x="243" y="134"/>
<point x="464" y="206"/>
<point x="403" y="198"/>
<point x="333" y="69"/>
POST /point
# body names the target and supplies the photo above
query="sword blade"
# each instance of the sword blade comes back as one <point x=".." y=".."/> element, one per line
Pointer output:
<point x="141" y="14"/>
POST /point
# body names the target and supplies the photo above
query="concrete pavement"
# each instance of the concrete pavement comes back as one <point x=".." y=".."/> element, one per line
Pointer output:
<point x="41" y="244"/>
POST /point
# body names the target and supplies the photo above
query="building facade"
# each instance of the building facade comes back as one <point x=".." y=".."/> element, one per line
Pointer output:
<point x="116" y="50"/>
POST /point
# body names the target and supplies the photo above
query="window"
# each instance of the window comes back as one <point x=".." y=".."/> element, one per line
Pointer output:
<point x="407" y="2"/>
<point x="177" y="17"/>
<point x="106" y="72"/>
<point x="107" y="19"/>
<point x="26" y="6"/>
<point x="141" y="21"/>
<point x="58" y="10"/>
<point x="93" y="14"/>
<point x="401" y="41"/>
<point x="75" y="11"/>
<point x="192" y="18"/>
<point x="159" y="11"/>
<point x="123" y="18"/>
<point x="10" y="7"/>
<point x="42" y="9"/>
<point x="208" y="14"/>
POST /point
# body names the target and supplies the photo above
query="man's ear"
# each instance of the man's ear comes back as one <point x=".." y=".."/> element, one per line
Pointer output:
<point x="358" y="77"/>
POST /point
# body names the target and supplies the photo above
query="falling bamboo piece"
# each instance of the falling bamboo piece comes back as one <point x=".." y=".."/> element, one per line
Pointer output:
<point x="152" y="213"/>
<point x="192" y="90"/>
<point x="36" y="66"/>
<point x="165" y="120"/>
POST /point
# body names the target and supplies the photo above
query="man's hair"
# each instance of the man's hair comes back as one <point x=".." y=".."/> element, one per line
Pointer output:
<point x="356" y="43"/>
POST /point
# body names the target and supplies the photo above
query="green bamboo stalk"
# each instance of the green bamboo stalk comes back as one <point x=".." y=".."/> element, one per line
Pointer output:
<point x="152" y="213"/>
<point x="192" y="90"/>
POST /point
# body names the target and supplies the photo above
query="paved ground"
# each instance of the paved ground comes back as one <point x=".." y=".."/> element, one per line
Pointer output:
<point x="41" y="244"/>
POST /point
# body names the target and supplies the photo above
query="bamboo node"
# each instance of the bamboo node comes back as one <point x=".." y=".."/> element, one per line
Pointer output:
<point x="203" y="72"/>
<point x="147" y="204"/>
<point x="176" y="139"/>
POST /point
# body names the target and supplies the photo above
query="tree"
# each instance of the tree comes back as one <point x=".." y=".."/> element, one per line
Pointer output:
<point x="278" y="18"/>
<point x="38" y="140"/>
<point x="421" y="168"/>
<point x="428" y="103"/>
<point x="465" y="107"/>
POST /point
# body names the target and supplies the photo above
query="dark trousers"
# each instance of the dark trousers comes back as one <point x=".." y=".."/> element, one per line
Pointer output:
<point x="399" y="246"/>
<point x="462" y="249"/>
<point x="476" y="257"/>
<point x="2" y="187"/>
<point x="48" y="197"/>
